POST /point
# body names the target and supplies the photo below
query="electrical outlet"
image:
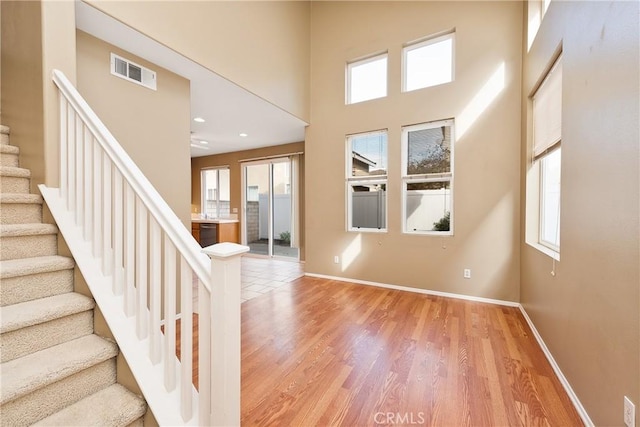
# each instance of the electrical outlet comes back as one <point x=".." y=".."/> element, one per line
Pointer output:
<point x="467" y="273"/>
<point x="336" y="259"/>
<point x="629" y="413"/>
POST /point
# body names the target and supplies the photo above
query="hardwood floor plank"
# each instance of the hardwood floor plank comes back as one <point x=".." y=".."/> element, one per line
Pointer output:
<point x="317" y="352"/>
<point x="498" y="404"/>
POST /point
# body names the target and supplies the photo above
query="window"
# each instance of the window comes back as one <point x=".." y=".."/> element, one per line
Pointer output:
<point x="427" y="178"/>
<point x="547" y="128"/>
<point x="536" y="10"/>
<point x="367" y="181"/>
<point x="215" y="192"/>
<point x="367" y="79"/>
<point x="428" y="63"/>
<point x="550" y="199"/>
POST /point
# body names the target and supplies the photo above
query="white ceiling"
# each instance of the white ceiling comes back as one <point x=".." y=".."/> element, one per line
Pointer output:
<point x="227" y="108"/>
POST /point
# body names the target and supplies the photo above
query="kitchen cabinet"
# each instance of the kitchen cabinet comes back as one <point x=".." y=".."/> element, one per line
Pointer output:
<point x="209" y="232"/>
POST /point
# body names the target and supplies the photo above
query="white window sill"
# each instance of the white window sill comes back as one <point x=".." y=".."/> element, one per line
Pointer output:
<point x="545" y="250"/>
<point x="368" y="230"/>
<point x="429" y="233"/>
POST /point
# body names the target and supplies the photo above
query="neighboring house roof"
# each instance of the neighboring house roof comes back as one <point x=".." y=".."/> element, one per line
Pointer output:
<point x="362" y="158"/>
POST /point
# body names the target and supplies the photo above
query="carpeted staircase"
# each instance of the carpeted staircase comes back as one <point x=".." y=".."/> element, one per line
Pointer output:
<point x="53" y="369"/>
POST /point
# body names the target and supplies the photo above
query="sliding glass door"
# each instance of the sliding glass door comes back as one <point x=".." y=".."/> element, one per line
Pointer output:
<point x="270" y="211"/>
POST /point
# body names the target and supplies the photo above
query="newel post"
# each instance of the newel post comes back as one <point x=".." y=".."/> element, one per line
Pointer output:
<point x="225" y="332"/>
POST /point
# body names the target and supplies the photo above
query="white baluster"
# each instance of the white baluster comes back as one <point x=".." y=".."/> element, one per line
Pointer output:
<point x="186" y="339"/>
<point x="204" y="355"/>
<point x="97" y="199"/>
<point x="79" y="182"/>
<point x="71" y="161"/>
<point x="141" y="268"/>
<point x="169" y="314"/>
<point x="107" y="251"/>
<point x="130" y="255"/>
<point x="225" y="332"/>
<point x="63" y="146"/>
<point x="88" y="182"/>
<point x="118" y="237"/>
<point x="155" y="292"/>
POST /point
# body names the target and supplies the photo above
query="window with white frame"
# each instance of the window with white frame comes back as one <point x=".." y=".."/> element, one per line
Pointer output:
<point x="427" y="178"/>
<point x="367" y="181"/>
<point x="215" y="192"/>
<point x="428" y="63"/>
<point x="547" y="137"/>
<point x="536" y="10"/>
<point x="367" y="79"/>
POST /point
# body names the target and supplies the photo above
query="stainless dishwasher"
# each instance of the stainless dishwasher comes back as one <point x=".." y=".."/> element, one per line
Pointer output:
<point x="208" y="234"/>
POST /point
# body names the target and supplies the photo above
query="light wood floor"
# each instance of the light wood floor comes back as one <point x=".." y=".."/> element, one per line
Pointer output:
<point x="324" y="353"/>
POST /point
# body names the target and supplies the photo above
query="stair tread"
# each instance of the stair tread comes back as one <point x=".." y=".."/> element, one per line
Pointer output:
<point x="27" y="266"/>
<point x="31" y="372"/>
<point x="42" y="310"/>
<point x="5" y="129"/>
<point x="9" y="149"/>
<point x="34" y="229"/>
<point x="20" y="198"/>
<point x="114" y="405"/>
<point x="15" y="172"/>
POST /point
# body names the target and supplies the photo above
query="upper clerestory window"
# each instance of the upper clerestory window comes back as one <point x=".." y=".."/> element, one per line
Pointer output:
<point x="428" y="63"/>
<point x="367" y="79"/>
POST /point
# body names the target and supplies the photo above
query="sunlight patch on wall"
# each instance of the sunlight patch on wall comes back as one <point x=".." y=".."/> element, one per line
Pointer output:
<point x="351" y="252"/>
<point x="481" y="101"/>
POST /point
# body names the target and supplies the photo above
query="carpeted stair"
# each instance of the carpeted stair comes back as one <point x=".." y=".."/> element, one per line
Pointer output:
<point x="54" y="370"/>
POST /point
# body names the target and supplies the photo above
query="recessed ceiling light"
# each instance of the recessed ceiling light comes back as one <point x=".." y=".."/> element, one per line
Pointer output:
<point x="198" y="119"/>
<point x="204" y="142"/>
<point x="244" y="135"/>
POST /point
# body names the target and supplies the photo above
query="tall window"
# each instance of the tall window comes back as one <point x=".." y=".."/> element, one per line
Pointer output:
<point x="536" y="9"/>
<point x="215" y="192"/>
<point x="428" y="63"/>
<point x="367" y="181"/>
<point x="547" y="136"/>
<point x="427" y="177"/>
<point x="367" y="79"/>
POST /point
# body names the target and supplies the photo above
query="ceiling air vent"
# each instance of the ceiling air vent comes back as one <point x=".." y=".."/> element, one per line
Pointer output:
<point x="133" y="72"/>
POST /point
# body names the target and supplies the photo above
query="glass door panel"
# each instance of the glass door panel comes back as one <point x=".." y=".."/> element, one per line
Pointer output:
<point x="282" y="212"/>
<point x="257" y="208"/>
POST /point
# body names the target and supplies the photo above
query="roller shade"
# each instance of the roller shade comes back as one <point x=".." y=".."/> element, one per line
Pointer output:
<point x="547" y="111"/>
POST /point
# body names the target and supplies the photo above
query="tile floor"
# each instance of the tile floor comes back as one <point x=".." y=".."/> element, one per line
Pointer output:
<point x="262" y="275"/>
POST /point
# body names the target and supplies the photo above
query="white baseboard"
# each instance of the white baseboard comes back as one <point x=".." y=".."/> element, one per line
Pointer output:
<point x="563" y="380"/>
<point x="417" y="290"/>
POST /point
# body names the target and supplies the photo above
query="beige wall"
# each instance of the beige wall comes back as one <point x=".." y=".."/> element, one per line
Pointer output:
<point x="37" y="37"/>
<point x="589" y="313"/>
<point x="486" y="199"/>
<point x="152" y="126"/>
<point x="263" y="46"/>
<point x="235" y="171"/>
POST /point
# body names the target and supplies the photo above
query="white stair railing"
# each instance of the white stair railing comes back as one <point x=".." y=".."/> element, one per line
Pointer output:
<point x="140" y="263"/>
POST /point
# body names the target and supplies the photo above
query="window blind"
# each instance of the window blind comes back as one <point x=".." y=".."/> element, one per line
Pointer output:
<point x="547" y="111"/>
